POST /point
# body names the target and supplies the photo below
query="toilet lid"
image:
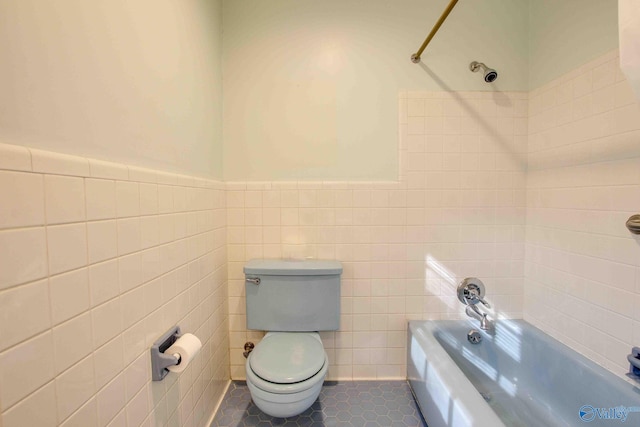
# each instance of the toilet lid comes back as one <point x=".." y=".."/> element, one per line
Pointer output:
<point x="287" y="357"/>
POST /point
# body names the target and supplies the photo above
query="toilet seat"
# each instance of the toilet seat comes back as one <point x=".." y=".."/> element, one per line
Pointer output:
<point x="288" y="357"/>
<point x="275" y="389"/>
<point x="268" y="351"/>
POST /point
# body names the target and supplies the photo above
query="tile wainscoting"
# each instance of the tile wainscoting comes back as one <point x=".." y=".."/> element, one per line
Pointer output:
<point x="97" y="260"/>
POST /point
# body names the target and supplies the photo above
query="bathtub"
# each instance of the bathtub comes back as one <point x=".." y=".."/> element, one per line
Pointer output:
<point x="517" y="376"/>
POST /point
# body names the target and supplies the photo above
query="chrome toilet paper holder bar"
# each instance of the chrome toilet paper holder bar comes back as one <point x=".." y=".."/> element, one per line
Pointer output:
<point x="161" y="361"/>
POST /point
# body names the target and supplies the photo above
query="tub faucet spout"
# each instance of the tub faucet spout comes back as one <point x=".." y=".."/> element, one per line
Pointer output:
<point x="472" y="311"/>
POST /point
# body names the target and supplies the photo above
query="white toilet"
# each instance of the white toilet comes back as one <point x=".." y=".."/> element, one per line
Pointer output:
<point x="292" y="300"/>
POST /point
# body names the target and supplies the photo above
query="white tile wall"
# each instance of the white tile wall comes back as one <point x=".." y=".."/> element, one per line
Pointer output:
<point x="457" y="211"/>
<point x="582" y="265"/>
<point x="69" y="295"/>
<point x="26" y="192"/>
<point x="23" y="255"/>
<point x="95" y="264"/>
<point x="64" y="199"/>
<point x="26" y="312"/>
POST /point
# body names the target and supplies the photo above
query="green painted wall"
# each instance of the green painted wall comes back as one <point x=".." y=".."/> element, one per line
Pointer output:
<point x="137" y="82"/>
<point x="311" y="87"/>
<point x="564" y="34"/>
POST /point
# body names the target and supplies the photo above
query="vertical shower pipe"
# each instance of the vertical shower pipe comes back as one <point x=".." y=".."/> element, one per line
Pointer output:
<point x="415" y="58"/>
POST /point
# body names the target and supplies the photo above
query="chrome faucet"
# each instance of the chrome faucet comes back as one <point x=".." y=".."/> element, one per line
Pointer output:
<point x="470" y="293"/>
<point x="472" y="311"/>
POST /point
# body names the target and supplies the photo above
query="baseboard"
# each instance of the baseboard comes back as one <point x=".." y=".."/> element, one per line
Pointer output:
<point x="217" y="405"/>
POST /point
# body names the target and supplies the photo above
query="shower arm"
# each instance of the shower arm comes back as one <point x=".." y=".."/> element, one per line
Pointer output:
<point x="415" y="58"/>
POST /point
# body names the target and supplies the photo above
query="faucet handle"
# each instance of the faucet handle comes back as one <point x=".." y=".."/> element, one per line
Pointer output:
<point x="483" y="301"/>
<point x="471" y="291"/>
<point x="474" y="297"/>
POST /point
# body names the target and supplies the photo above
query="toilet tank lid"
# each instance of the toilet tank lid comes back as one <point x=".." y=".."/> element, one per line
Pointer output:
<point x="286" y="267"/>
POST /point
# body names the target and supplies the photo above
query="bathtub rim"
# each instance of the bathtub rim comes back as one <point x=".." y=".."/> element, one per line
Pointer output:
<point x="470" y="401"/>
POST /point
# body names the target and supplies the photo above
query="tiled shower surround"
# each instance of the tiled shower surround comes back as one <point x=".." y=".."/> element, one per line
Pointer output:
<point x="582" y="265"/>
<point x="97" y="260"/>
<point x="458" y="210"/>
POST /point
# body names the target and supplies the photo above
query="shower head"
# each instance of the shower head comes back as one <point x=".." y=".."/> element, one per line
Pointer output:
<point x="490" y="75"/>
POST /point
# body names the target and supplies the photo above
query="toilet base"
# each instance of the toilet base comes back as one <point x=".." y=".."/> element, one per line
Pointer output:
<point x="284" y="405"/>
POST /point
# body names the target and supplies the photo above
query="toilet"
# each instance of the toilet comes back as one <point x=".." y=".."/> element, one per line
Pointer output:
<point x="292" y="300"/>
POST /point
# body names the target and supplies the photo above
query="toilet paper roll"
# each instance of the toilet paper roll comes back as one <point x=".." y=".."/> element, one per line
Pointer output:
<point x="187" y="346"/>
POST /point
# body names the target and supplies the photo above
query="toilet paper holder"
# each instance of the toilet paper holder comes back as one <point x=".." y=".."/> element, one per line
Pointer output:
<point x="159" y="360"/>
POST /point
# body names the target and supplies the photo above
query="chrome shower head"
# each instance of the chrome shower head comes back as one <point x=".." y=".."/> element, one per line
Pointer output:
<point x="490" y="75"/>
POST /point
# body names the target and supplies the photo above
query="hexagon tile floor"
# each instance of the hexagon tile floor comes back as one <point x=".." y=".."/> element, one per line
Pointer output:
<point x="349" y="403"/>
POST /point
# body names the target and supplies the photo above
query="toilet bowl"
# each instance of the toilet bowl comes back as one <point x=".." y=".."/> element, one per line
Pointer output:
<point x="285" y="372"/>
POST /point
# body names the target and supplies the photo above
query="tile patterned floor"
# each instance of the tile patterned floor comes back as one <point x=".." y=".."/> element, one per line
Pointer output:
<point x="349" y="403"/>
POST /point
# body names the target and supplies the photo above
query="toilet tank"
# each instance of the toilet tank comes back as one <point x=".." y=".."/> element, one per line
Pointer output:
<point x="293" y="295"/>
